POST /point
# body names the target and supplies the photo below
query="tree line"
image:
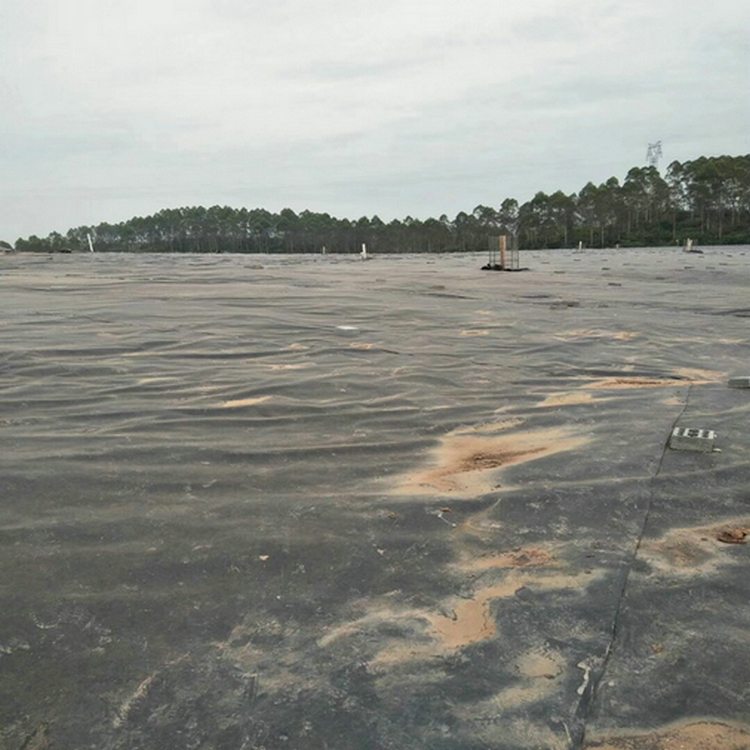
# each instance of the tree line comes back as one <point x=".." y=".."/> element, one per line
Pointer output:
<point x="707" y="199"/>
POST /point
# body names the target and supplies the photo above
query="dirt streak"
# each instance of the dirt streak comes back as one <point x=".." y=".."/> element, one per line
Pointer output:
<point x="472" y="620"/>
<point x="697" y="735"/>
<point x="569" y="399"/>
<point x="598" y="333"/>
<point x="681" y="376"/>
<point x="692" y="550"/>
<point x="251" y="401"/>
<point x="465" y="464"/>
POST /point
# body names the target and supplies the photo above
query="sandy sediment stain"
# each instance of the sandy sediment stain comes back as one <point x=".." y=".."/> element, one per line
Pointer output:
<point x="250" y="401"/>
<point x="489" y="728"/>
<point x="465" y="462"/>
<point x="621" y="383"/>
<point x="39" y="739"/>
<point x="296" y="366"/>
<point x="672" y="401"/>
<point x="457" y="622"/>
<point x="475" y="332"/>
<point x="123" y="711"/>
<point x="525" y="557"/>
<point x="699" y="376"/>
<point x="471" y="620"/>
<point x="598" y="333"/>
<point x="569" y="398"/>
<point x="540" y="663"/>
<point x="490" y="428"/>
<point x="695" y="735"/>
<point x="680" y="376"/>
<point x="357" y="345"/>
<point x="378" y="614"/>
<point x="692" y="550"/>
<point x="537" y="672"/>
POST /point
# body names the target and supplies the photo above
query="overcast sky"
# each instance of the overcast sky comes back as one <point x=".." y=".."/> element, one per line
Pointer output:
<point x="110" y="109"/>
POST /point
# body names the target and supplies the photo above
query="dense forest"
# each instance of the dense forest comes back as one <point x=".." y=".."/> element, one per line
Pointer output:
<point x="707" y="199"/>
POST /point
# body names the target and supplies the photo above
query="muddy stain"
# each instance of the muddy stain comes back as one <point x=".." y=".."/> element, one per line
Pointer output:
<point x="699" y="735"/>
<point x="465" y="464"/>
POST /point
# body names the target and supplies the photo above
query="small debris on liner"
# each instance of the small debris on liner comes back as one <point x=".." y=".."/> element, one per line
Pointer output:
<point x="732" y="536"/>
<point x="446" y="510"/>
<point x="741" y="382"/>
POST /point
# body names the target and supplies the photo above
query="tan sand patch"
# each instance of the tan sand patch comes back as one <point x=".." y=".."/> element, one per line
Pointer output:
<point x="672" y="401"/>
<point x="475" y="332"/>
<point x="526" y="557"/>
<point x="471" y="620"/>
<point x="569" y="399"/>
<point x="698" y="735"/>
<point x="540" y="664"/>
<point x="620" y="383"/>
<point x="426" y="634"/>
<point x="251" y="401"/>
<point x="360" y="346"/>
<point x="378" y="613"/>
<point x="688" y="551"/>
<point x="598" y="333"/>
<point x="298" y="366"/>
<point x="466" y="464"/>
<point x="515" y="732"/>
<point x="700" y="376"/>
<point x="680" y="377"/>
<point x="490" y="428"/>
<point x="298" y="347"/>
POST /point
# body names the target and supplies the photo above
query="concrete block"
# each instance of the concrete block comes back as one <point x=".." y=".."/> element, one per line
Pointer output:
<point x="691" y="439"/>
<point x="741" y="382"/>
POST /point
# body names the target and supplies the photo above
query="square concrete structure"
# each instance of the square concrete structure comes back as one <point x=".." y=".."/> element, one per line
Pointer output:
<point x="740" y="382"/>
<point x="691" y="439"/>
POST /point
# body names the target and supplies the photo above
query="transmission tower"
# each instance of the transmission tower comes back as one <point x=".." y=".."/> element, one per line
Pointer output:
<point x="654" y="154"/>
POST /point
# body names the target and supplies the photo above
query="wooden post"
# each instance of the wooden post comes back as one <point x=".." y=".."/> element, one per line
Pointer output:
<point x="503" y="248"/>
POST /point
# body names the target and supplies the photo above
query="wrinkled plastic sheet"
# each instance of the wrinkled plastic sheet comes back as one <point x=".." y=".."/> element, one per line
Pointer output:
<point x="315" y="502"/>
